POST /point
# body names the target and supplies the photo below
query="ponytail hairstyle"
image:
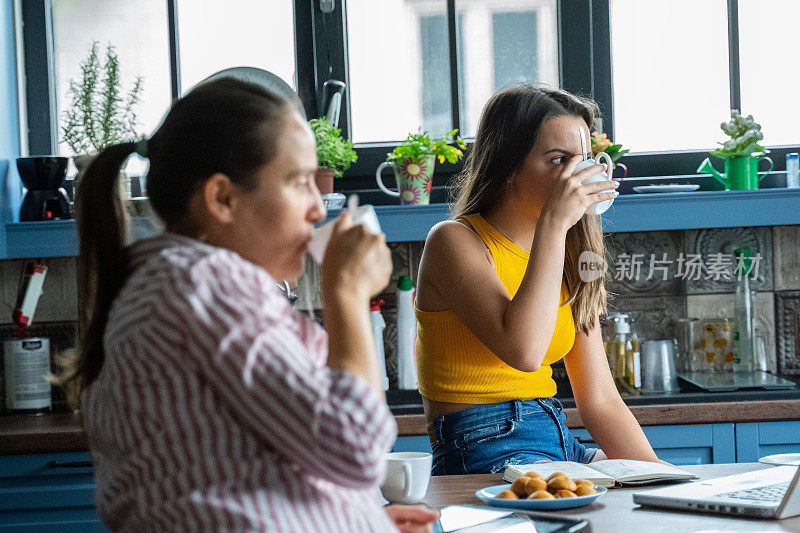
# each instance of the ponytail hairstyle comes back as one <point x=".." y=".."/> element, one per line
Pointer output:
<point x="509" y="126"/>
<point x="226" y="126"/>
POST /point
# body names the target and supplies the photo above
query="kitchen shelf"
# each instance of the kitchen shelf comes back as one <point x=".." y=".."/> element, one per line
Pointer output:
<point x="630" y="212"/>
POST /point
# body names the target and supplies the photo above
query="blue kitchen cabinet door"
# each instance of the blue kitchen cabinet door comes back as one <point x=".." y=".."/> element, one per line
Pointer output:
<point x="759" y="439"/>
<point x="693" y="444"/>
<point x="414" y="443"/>
<point x="47" y="492"/>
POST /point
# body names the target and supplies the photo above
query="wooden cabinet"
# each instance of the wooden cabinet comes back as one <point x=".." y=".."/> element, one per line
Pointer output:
<point x="48" y="492"/>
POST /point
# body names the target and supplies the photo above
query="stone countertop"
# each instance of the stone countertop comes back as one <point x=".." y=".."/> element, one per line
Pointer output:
<point x="63" y="432"/>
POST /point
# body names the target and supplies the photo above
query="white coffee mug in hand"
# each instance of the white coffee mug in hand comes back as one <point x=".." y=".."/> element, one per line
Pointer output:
<point x="600" y="207"/>
<point x="407" y="476"/>
<point x="364" y="215"/>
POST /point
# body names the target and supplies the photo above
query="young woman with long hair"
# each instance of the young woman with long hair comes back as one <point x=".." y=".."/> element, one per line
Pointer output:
<point x="209" y="403"/>
<point x="500" y="299"/>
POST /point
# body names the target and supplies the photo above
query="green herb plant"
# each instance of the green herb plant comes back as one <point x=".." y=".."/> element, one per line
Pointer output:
<point x="333" y="151"/>
<point x="419" y="145"/>
<point x="744" y="133"/>
<point x="97" y="116"/>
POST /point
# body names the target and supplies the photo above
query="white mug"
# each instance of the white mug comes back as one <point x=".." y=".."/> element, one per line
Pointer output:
<point x="407" y="476"/>
<point x="364" y="215"/>
<point x="600" y="207"/>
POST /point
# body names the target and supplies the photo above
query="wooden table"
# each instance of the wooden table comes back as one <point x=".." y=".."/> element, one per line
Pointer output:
<point x="615" y="512"/>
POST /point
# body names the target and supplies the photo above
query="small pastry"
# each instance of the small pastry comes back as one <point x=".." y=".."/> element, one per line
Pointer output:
<point x="564" y="494"/>
<point x="561" y="483"/>
<point x="535" y="484"/>
<point x="519" y="486"/>
<point x="507" y="495"/>
<point x="541" y="495"/>
<point x="586" y="482"/>
<point x="534" y="474"/>
<point x="585" y="490"/>
<point x="555" y="475"/>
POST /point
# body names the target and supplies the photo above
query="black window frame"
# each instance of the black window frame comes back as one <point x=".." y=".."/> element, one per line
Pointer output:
<point x="584" y="55"/>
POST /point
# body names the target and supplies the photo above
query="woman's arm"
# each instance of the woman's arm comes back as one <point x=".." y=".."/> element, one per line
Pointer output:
<point x="602" y="410"/>
<point x="455" y="268"/>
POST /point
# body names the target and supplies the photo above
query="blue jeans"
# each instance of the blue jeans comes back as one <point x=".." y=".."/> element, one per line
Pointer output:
<point x="487" y="438"/>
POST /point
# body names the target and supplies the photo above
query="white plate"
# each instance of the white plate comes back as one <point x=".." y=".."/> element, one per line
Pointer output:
<point x="488" y="495"/>
<point x="672" y="187"/>
<point x="789" y="459"/>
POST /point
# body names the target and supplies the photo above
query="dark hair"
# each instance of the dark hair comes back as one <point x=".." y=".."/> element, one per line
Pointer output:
<point x="509" y="126"/>
<point x="222" y="126"/>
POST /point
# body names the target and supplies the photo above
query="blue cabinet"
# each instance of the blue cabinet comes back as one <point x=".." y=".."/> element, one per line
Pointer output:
<point x="50" y="492"/>
<point x="759" y="439"/>
<point x="682" y="445"/>
<point x="692" y="444"/>
<point x="414" y="443"/>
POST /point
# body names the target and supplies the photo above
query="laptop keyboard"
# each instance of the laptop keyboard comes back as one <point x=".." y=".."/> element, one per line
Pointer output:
<point x="770" y="493"/>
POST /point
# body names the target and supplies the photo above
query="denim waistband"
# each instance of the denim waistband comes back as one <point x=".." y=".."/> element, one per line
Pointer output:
<point x="453" y="424"/>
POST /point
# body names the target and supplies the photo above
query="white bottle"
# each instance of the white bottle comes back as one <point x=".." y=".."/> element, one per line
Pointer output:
<point x="406" y="335"/>
<point x="27" y="367"/>
<point x="378" y="325"/>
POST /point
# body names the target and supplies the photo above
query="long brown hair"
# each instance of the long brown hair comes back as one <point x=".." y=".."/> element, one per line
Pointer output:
<point x="225" y="126"/>
<point x="509" y="126"/>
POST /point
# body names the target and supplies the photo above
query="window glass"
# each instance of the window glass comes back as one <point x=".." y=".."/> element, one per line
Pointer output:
<point x="670" y="73"/>
<point x="502" y="42"/>
<point x="768" y="68"/>
<point x="399" y="68"/>
<point x="216" y="35"/>
<point x="137" y="30"/>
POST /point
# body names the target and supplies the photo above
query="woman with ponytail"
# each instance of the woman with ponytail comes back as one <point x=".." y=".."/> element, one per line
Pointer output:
<point x="209" y="403"/>
<point x="500" y="297"/>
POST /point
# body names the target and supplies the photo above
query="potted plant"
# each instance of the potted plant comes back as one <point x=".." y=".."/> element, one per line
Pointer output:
<point x="601" y="143"/>
<point x="741" y="153"/>
<point x="413" y="163"/>
<point x="97" y="115"/>
<point x="335" y="154"/>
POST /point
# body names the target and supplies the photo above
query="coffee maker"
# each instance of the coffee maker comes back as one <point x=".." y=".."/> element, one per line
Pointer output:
<point x="43" y="177"/>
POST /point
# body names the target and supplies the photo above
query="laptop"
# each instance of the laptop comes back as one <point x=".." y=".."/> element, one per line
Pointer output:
<point x="766" y="493"/>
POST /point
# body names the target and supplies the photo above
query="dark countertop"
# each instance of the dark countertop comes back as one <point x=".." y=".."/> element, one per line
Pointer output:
<point x="63" y="432"/>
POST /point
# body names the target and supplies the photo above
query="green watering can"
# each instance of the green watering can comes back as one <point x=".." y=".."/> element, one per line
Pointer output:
<point x="741" y="173"/>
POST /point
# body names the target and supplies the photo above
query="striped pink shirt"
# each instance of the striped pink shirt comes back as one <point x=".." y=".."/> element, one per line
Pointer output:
<point x="215" y="410"/>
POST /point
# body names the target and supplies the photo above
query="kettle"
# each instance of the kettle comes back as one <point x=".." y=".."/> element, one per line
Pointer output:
<point x="741" y="173"/>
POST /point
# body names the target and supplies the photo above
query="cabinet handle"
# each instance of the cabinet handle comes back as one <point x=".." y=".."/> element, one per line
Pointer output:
<point x="70" y="464"/>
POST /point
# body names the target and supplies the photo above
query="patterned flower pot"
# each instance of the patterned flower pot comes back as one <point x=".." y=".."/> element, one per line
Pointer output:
<point x="414" y="179"/>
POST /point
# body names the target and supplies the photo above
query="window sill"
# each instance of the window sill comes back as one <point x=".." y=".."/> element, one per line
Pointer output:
<point x="630" y="212"/>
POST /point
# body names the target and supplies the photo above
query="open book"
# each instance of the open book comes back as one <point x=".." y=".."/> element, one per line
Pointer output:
<point x="605" y="473"/>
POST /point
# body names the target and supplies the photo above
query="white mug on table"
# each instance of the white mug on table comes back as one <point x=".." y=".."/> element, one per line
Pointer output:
<point x="407" y="476"/>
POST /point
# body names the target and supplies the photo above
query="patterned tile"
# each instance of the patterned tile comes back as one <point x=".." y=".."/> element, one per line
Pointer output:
<point x="786" y="249"/>
<point x="721" y="305"/>
<point x="787" y="308"/>
<point x="653" y="316"/>
<point x="708" y="242"/>
<point x="634" y="268"/>
<point x="390" y="345"/>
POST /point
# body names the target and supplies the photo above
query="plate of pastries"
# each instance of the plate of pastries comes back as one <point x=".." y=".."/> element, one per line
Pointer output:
<point x="535" y="492"/>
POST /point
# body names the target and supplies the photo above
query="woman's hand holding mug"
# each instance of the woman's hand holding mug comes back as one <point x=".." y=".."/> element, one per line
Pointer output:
<point x="581" y="186"/>
<point x="356" y="261"/>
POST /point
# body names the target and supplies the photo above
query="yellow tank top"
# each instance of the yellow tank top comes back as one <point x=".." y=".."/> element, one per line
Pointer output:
<point x="453" y="365"/>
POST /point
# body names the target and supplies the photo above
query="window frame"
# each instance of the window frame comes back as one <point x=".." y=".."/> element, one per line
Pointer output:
<point x="321" y="54"/>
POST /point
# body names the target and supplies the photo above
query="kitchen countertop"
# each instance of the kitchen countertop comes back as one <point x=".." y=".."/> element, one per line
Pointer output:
<point x="63" y="432"/>
<point x="615" y="511"/>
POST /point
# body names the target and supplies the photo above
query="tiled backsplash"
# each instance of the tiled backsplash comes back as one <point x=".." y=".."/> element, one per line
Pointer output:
<point x="653" y="302"/>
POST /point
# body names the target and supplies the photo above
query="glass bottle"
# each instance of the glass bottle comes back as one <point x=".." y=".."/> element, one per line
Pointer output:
<point x="621" y="357"/>
<point x="743" y="338"/>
